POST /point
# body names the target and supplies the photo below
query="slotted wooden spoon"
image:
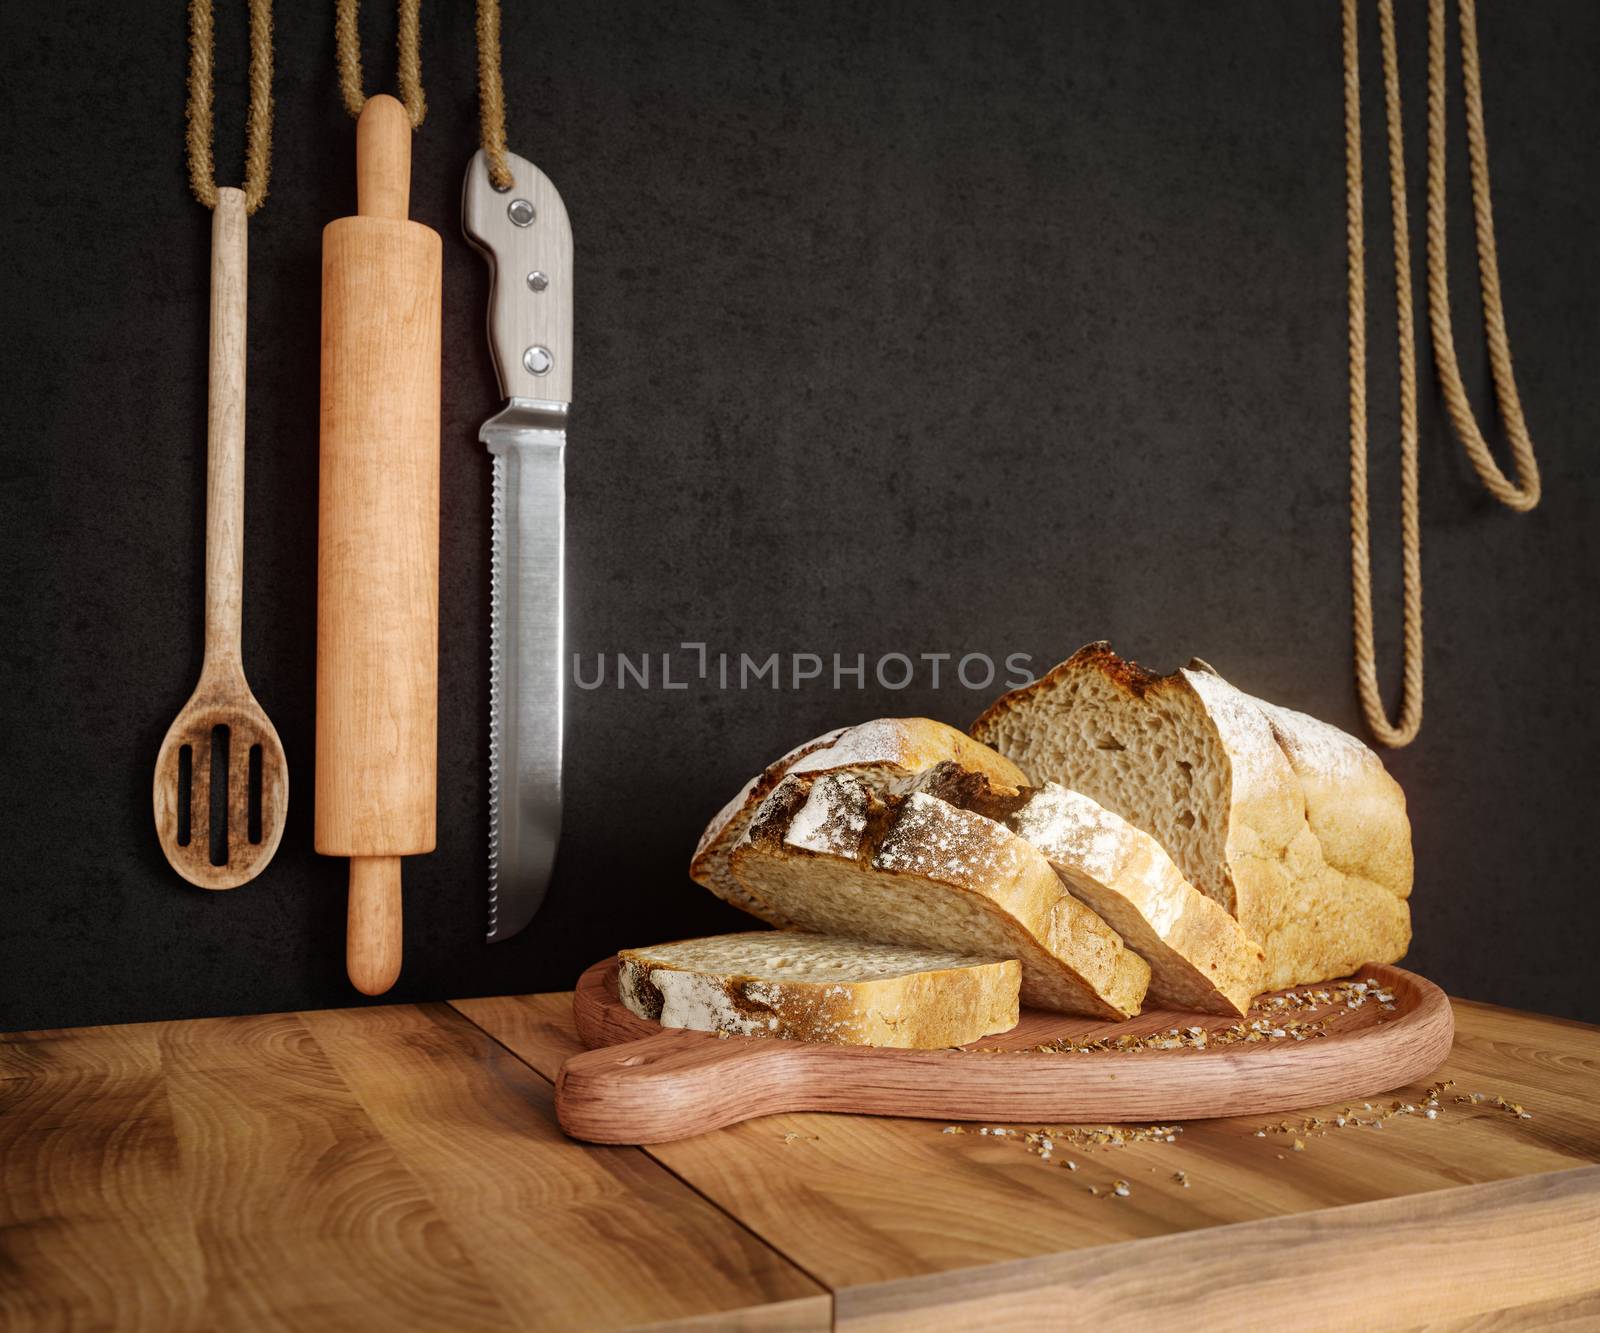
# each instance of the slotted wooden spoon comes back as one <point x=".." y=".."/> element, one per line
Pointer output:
<point x="249" y="790"/>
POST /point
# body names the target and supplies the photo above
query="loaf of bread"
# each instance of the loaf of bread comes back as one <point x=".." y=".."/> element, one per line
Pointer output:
<point x="801" y="987"/>
<point x="832" y="855"/>
<point x="878" y="753"/>
<point x="1292" y="826"/>
<point x="1199" y="956"/>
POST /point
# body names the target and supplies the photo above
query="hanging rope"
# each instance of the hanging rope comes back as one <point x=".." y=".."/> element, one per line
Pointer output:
<point x="1521" y="495"/>
<point x="1410" y="529"/>
<point x="199" y="113"/>
<point x="347" y="54"/>
<point x="492" y="94"/>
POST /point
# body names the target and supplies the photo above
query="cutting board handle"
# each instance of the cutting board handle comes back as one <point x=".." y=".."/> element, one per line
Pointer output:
<point x="383" y="160"/>
<point x="678" y="1083"/>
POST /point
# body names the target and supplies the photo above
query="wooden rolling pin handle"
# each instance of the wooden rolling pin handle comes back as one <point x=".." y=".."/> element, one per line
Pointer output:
<point x="373" y="932"/>
<point x="383" y="160"/>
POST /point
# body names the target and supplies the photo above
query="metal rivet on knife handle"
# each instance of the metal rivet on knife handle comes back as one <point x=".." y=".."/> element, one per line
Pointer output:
<point x="538" y="361"/>
<point x="537" y="281"/>
<point x="521" y="212"/>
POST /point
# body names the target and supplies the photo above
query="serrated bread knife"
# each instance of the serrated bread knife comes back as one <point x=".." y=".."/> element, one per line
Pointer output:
<point x="524" y="234"/>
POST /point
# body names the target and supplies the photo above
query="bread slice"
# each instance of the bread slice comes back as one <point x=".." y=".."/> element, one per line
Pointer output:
<point x="1199" y="956"/>
<point x="880" y="753"/>
<point x="1249" y="800"/>
<point x="799" y="987"/>
<point x="831" y="855"/>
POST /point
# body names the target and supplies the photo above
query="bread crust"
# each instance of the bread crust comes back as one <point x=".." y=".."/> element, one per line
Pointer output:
<point x="1316" y="861"/>
<point x="882" y="751"/>
<point x="709" y="864"/>
<point x="926" y="1006"/>
<point x="903" y="848"/>
<point x="1200" y="957"/>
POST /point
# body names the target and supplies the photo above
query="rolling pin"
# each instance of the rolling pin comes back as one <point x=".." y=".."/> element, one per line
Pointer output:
<point x="378" y="542"/>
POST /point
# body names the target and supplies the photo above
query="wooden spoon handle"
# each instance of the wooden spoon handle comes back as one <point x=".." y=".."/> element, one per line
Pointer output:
<point x="225" y="430"/>
<point x="373" y="929"/>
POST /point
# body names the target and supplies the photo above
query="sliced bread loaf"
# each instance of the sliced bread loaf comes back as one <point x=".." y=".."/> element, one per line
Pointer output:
<point x="800" y="987"/>
<point x="1216" y="778"/>
<point x="880" y="753"/>
<point x="1199" y="956"/>
<point x="831" y="855"/>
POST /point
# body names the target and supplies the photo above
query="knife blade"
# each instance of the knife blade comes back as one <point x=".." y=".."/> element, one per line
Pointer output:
<point x="526" y="238"/>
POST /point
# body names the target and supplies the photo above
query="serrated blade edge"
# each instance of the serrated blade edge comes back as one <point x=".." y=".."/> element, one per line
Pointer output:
<point x="497" y="559"/>
<point x="526" y="656"/>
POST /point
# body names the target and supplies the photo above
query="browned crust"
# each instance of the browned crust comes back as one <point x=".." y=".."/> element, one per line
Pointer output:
<point x="1058" y="925"/>
<point x="1125" y="674"/>
<point x="904" y="744"/>
<point x="756" y="792"/>
<point x="1365" y="874"/>
<point x="970" y="790"/>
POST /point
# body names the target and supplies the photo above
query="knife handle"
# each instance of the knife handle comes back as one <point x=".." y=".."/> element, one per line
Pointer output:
<point x="526" y="238"/>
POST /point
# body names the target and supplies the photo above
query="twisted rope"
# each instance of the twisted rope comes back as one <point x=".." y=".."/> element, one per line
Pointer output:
<point x="1521" y="495"/>
<point x="200" y="109"/>
<point x="1410" y="721"/>
<point x="347" y="54"/>
<point x="492" y="94"/>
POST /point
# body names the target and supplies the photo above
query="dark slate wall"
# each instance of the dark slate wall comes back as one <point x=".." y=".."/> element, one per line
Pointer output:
<point x="916" y="327"/>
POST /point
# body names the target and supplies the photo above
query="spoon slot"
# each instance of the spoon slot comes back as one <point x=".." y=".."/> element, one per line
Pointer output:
<point x="253" y="815"/>
<point x="185" y="793"/>
<point x="219" y="795"/>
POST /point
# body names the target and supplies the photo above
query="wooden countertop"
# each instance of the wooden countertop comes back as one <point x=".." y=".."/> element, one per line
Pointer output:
<point x="400" y="1167"/>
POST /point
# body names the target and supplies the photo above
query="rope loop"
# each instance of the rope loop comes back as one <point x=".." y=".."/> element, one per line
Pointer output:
<point x="492" y="95"/>
<point x="1521" y="495"/>
<point x="200" y="109"/>
<point x="1410" y="722"/>
<point x="347" y="53"/>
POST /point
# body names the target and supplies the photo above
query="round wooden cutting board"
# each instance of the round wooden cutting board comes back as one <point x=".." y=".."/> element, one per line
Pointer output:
<point x="642" y="1083"/>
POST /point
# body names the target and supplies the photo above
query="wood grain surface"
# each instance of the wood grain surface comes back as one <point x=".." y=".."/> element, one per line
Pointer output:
<point x="860" y="1202"/>
<point x="362" y="1169"/>
<point x="646" y="1084"/>
<point x="223" y="698"/>
<point x="400" y="1167"/>
<point x="1391" y="1263"/>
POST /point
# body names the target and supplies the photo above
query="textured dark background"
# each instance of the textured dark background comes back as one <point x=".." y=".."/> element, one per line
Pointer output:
<point x="909" y="327"/>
